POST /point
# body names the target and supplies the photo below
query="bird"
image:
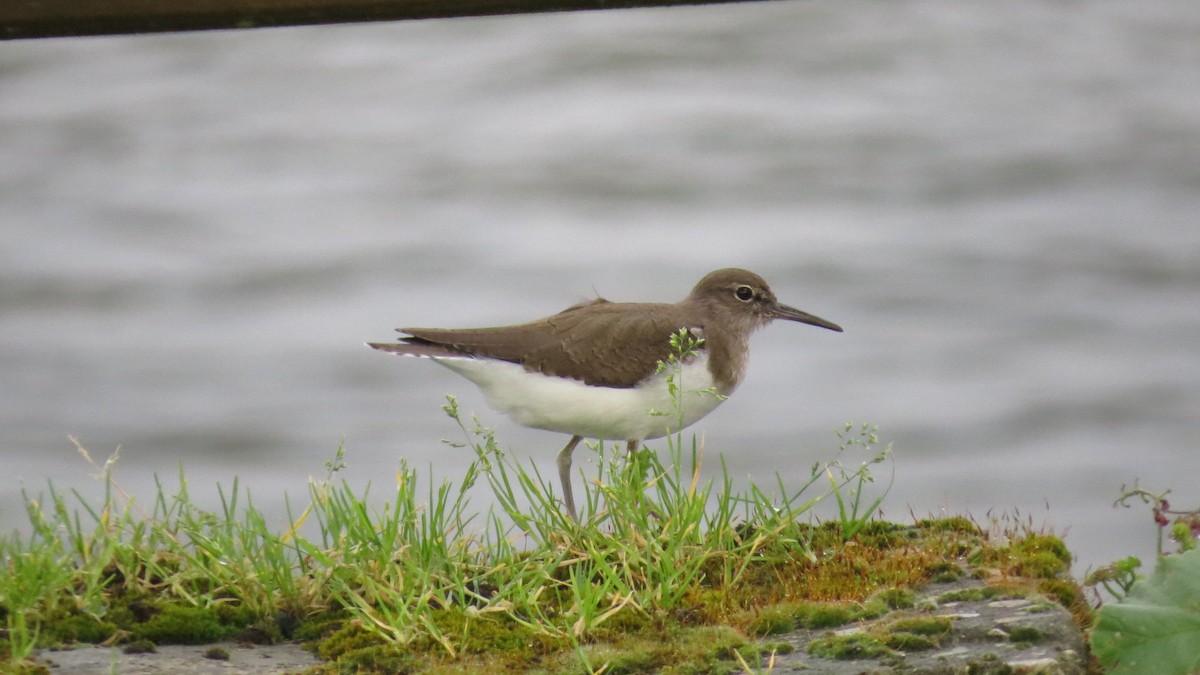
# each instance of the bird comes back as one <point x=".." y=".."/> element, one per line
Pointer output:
<point x="593" y="370"/>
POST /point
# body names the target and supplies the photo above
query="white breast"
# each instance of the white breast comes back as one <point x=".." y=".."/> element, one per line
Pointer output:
<point x="572" y="407"/>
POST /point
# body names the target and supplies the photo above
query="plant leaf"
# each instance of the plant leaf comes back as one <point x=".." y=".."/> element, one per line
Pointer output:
<point x="1156" y="628"/>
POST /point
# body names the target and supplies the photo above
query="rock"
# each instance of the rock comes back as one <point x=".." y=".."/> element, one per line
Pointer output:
<point x="243" y="660"/>
<point x="1027" y="634"/>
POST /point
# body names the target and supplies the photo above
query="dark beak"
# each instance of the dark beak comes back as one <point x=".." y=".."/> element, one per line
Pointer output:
<point x="792" y="314"/>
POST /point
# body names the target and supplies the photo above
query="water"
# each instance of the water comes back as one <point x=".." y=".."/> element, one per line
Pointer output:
<point x="200" y="231"/>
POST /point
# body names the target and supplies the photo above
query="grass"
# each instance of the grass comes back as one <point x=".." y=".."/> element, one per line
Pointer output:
<point x="657" y="551"/>
<point x="664" y="570"/>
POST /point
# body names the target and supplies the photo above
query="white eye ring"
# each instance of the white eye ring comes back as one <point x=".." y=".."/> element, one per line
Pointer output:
<point x="744" y="293"/>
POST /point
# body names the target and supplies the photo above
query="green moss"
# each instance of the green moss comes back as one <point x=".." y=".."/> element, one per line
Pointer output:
<point x="971" y="594"/>
<point x="1045" y="543"/>
<point x="320" y="627"/>
<point x="708" y="649"/>
<point x="916" y="633"/>
<point x="624" y="661"/>
<point x="139" y="646"/>
<point x="1035" y="556"/>
<point x="262" y="632"/>
<point x="908" y="642"/>
<point x="628" y="621"/>
<point x="956" y="524"/>
<point x="825" y="615"/>
<point x="989" y="664"/>
<point x="847" y="647"/>
<point x="349" y="637"/>
<point x="711" y="642"/>
<point x="772" y="621"/>
<point x="216" y="654"/>
<point x="494" y="633"/>
<point x="181" y="625"/>
<point x="923" y="625"/>
<point x="897" y="598"/>
<point x="1025" y="634"/>
<point x="945" y="572"/>
<point x="76" y="628"/>
<point x="1040" y="565"/>
<point x="1068" y="594"/>
<point x="379" y="659"/>
<point x="768" y="648"/>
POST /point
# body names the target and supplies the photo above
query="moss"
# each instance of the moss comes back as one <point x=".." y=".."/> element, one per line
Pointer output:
<point x="708" y="649"/>
<point x="897" y="598"/>
<point x="1045" y="543"/>
<point x="216" y="654"/>
<point x="908" y="642"/>
<point x="1040" y="565"/>
<point x="349" y="637"/>
<point x="139" y="646"/>
<point x="916" y="633"/>
<point x="956" y="524"/>
<point x="945" y="572"/>
<point x="923" y="625"/>
<point x="319" y="627"/>
<point x="881" y="556"/>
<point x="971" y="594"/>
<point x="494" y="633"/>
<point x="1035" y="556"/>
<point x="772" y="621"/>
<point x="76" y="628"/>
<point x="989" y="664"/>
<point x="381" y="659"/>
<point x="262" y="632"/>
<point x="618" y="661"/>
<point x="627" y="621"/>
<point x="1068" y="594"/>
<point x="825" y="615"/>
<point x="180" y="625"/>
<point x="847" y="647"/>
<point x="769" y="648"/>
<point x="1025" y="634"/>
<point x="713" y="642"/>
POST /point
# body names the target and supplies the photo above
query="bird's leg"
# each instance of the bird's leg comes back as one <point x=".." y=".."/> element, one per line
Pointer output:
<point x="564" y="474"/>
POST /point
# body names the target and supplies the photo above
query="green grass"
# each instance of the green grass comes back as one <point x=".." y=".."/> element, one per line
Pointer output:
<point x="664" y="571"/>
<point x="658" y="552"/>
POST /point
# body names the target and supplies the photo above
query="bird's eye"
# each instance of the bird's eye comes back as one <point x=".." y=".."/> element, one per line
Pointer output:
<point x="744" y="293"/>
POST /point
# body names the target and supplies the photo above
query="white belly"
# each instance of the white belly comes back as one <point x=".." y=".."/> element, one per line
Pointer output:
<point x="572" y="407"/>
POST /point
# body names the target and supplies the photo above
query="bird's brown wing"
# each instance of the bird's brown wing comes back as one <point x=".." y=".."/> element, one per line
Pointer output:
<point x="600" y="343"/>
<point x="607" y="345"/>
<point x="507" y="343"/>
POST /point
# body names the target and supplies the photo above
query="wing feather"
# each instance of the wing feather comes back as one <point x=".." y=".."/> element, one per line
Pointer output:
<point x="599" y="343"/>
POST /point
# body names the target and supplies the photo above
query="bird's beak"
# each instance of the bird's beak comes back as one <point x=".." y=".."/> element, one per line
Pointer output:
<point x="792" y="314"/>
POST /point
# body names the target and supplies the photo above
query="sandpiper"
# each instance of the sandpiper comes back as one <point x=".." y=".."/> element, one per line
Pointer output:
<point x="592" y="370"/>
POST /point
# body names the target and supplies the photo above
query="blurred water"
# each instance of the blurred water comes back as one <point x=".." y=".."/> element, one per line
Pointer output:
<point x="200" y="230"/>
